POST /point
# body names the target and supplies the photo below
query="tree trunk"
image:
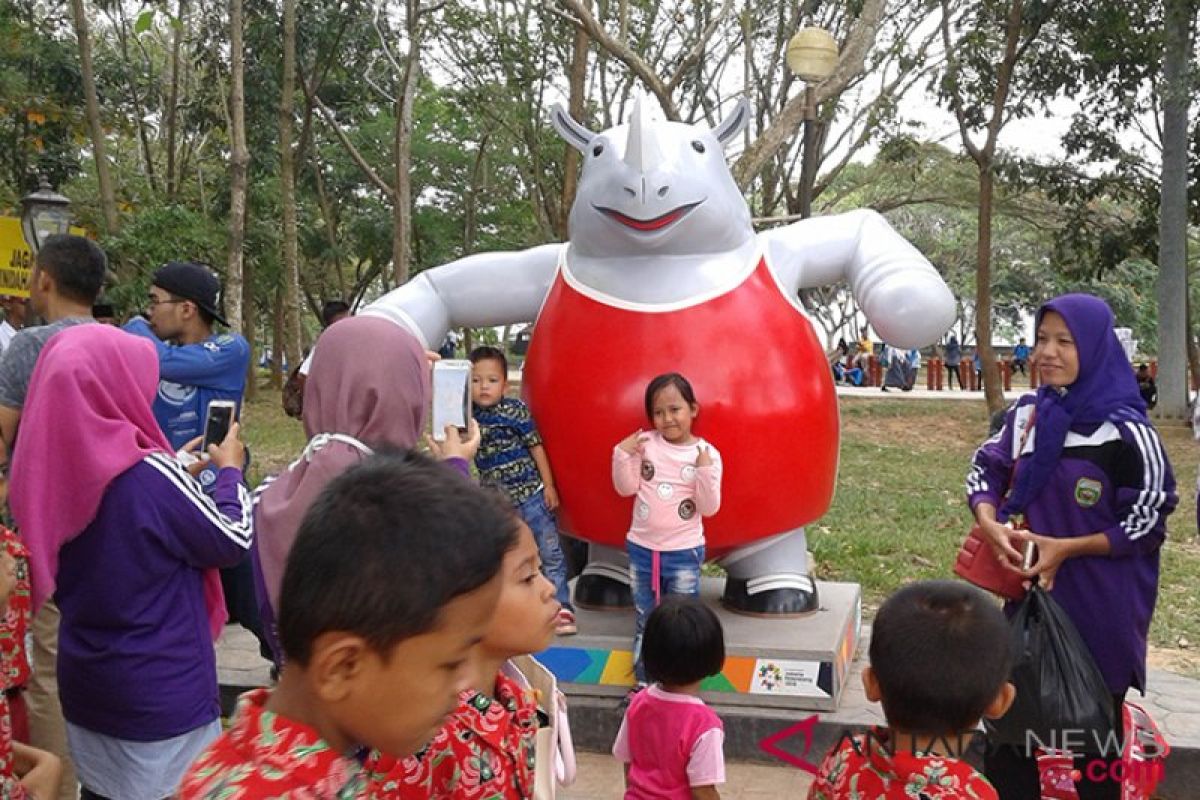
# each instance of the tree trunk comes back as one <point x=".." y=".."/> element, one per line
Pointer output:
<point x="279" y="315"/>
<point x="1172" y="222"/>
<point x="250" y="319"/>
<point x="108" y="197"/>
<point x="173" y="103"/>
<point x="239" y="162"/>
<point x="577" y="80"/>
<point x="287" y="179"/>
<point x="402" y="151"/>
<point x="993" y="390"/>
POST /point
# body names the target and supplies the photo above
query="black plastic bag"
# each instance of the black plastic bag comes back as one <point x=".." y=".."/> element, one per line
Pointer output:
<point x="1062" y="699"/>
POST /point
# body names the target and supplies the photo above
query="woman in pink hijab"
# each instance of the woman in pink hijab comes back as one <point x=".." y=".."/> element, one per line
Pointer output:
<point x="127" y="543"/>
<point x="367" y="388"/>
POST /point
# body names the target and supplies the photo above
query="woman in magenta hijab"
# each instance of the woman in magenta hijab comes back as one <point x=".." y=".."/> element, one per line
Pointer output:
<point x="368" y="387"/>
<point x="127" y="543"/>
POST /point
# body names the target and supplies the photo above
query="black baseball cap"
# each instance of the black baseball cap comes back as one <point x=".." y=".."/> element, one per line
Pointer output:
<point x="192" y="281"/>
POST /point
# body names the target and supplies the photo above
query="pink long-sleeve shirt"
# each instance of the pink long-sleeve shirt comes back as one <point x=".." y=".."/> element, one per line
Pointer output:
<point x="673" y="494"/>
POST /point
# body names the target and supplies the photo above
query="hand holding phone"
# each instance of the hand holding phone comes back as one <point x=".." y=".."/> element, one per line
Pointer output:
<point x="221" y="442"/>
<point x="217" y="422"/>
<point x="451" y="396"/>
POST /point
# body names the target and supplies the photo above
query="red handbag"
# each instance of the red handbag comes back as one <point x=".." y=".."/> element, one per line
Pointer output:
<point x="977" y="562"/>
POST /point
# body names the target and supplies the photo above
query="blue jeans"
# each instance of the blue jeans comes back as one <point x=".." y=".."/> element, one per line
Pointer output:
<point x="545" y="532"/>
<point x="678" y="573"/>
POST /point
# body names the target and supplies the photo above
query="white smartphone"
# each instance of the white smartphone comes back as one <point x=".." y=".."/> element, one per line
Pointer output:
<point x="217" y="422"/>
<point x="451" y="395"/>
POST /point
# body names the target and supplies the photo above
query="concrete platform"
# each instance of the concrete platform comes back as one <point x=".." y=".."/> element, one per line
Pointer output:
<point x="799" y="664"/>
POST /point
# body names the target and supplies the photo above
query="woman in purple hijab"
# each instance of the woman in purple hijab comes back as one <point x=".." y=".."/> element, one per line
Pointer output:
<point x="1095" y="488"/>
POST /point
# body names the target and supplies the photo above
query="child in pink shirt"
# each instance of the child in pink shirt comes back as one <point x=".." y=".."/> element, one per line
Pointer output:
<point x="677" y="479"/>
<point x="672" y="743"/>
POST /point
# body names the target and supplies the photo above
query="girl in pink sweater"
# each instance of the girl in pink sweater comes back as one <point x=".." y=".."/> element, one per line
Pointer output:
<point x="677" y="479"/>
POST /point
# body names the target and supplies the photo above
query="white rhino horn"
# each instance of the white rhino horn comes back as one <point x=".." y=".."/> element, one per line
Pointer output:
<point x="641" y="148"/>
<point x="571" y="131"/>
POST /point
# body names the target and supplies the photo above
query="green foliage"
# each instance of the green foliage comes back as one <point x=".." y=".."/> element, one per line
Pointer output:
<point x="151" y="237"/>
<point x="41" y="98"/>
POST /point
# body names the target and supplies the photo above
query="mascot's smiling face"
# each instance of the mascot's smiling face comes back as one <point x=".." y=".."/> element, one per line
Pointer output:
<point x="653" y="188"/>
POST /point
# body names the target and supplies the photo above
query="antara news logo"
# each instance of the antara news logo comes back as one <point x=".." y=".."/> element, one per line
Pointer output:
<point x="1107" y="751"/>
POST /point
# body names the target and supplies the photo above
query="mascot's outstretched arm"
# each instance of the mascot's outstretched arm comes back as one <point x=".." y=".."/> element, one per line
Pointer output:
<point x="900" y="292"/>
<point x="476" y="291"/>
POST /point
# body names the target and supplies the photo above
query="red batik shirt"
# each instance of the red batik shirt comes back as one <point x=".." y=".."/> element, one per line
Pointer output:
<point x="485" y="751"/>
<point x="863" y="769"/>
<point x="264" y="755"/>
<point x="14" y="663"/>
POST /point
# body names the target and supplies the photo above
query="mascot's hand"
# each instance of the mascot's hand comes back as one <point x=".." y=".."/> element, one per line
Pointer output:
<point x="634" y="443"/>
<point x="703" y="457"/>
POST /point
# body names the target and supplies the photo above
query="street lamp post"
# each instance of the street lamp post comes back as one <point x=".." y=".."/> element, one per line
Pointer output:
<point x="812" y="55"/>
<point x="44" y="213"/>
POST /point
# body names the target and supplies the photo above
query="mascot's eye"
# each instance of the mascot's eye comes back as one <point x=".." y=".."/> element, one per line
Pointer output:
<point x="598" y="149"/>
<point x="698" y="146"/>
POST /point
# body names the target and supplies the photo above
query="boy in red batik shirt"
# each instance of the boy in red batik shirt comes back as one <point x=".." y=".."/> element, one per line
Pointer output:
<point x="486" y="750"/>
<point x="940" y="659"/>
<point x="25" y="772"/>
<point x="388" y="588"/>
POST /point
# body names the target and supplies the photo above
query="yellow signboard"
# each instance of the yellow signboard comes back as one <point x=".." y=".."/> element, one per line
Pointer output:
<point x="16" y="260"/>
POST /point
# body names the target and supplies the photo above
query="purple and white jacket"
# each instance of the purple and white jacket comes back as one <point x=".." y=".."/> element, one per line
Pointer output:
<point x="1112" y="478"/>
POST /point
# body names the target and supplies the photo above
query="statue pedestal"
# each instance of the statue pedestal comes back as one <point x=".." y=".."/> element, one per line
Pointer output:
<point x="798" y="663"/>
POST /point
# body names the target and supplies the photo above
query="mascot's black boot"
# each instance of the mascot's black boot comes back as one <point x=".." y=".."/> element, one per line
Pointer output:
<point x="786" y="601"/>
<point x="602" y="593"/>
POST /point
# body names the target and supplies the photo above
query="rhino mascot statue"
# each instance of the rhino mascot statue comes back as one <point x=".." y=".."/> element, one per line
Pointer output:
<point x="664" y="273"/>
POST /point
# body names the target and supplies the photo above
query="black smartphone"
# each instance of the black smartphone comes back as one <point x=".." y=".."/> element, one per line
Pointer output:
<point x="217" y="422"/>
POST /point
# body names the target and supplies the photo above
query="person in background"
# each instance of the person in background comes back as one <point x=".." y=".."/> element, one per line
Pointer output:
<point x="1020" y="356"/>
<point x="953" y="359"/>
<point x="15" y="309"/>
<point x="897" y="373"/>
<point x="196" y="364"/>
<point x="913" y="357"/>
<point x="104" y="313"/>
<point x="864" y="350"/>
<point x="293" y="389"/>
<point x="1147" y="386"/>
<point x="66" y="280"/>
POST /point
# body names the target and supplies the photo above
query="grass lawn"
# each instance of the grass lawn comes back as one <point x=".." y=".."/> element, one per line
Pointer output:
<point x="899" y="513"/>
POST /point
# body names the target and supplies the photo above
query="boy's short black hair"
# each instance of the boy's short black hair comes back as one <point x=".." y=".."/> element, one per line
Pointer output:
<point x="331" y="309"/>
<point x="76" y="264"/>
<point x="384" y="547"/>
<point x="941" y="652"/>
<point x="663" y="381"/>
<point x="488" y="353"/>
<point x="683" y="642"/>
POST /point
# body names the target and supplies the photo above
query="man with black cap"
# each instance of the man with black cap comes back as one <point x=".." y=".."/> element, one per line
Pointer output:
<point x="197" y="366"/>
